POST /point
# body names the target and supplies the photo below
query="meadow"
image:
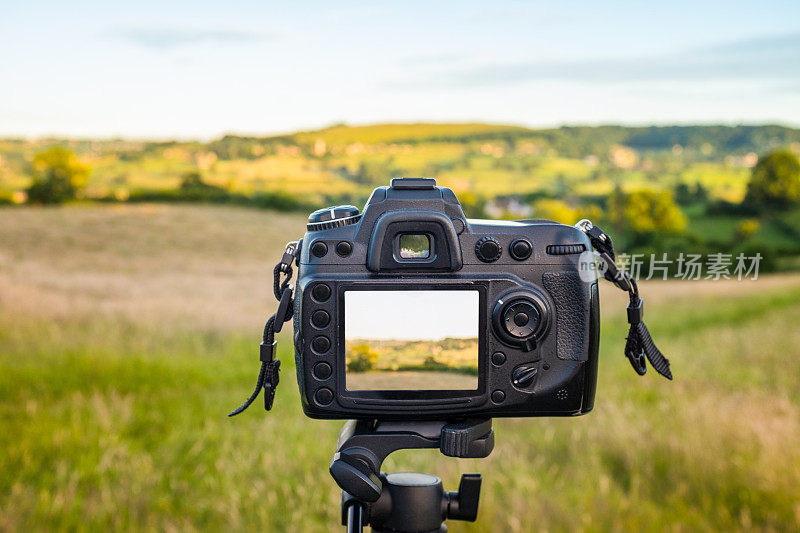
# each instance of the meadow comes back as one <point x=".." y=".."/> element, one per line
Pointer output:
<point x="127" y="332"/>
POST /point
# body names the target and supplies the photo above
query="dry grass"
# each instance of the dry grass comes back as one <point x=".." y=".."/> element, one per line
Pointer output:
<point x="209" y="266"/>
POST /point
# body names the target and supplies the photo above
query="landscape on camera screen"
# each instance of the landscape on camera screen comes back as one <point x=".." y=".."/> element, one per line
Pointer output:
<point x="411" y="340"/>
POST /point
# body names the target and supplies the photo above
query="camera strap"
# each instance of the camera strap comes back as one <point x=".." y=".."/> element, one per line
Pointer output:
<point x="639" y="344"/>
<point x="270" y="367"/>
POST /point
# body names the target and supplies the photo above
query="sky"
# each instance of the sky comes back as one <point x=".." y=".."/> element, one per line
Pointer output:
<point x="410" y="315"/>
<point x="202" y="69"/>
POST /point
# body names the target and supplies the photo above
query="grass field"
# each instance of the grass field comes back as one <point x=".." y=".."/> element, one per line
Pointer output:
<point x="127" y="333"/>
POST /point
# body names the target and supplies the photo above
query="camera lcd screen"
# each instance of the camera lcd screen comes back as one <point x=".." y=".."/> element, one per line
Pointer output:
<point x="411" y="340"/>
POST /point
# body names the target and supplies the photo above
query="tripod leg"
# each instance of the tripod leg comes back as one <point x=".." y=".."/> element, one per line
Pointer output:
<point x="355" y="517"/>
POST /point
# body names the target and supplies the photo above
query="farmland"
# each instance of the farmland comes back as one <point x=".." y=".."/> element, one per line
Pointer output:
<point x="484" y="160"/>
<point x="700" y="173"/>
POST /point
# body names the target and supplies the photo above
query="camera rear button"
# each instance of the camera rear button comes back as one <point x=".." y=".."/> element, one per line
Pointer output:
<point x="322" y="371"/>
<point x="321" y="344"/>
<point x="344" y="248"/>
<point x="488" y="249"/>
<point x="320" y="319"/>
<point x="498" y="396"/>
<point x="498" y="358"/>
<point x="321" y="292"/>
<point x="323" y="396"/>
<point x="520" y="249"/>
<point x="319" y="249"/>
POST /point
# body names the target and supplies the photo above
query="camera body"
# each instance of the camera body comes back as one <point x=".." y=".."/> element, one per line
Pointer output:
<point x="410" y="310"/>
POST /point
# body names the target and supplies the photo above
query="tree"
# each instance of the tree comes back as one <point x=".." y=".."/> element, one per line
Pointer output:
<point x="361" y="358"/>
<point x="561" y="211"/>
<point x="57" y="176"/>
<point x="194" y="188"/>
<point x="193" y="180"/>
<point x="688" y="195"/>
<point x="747" y="228"/>
<point x="775" y="179"/>
<point x="646" y="212"/>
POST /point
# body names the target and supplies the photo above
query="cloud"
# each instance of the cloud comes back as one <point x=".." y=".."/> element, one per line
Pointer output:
<point x="170" y="38"/>
<point x="774" y="57"/>
<point x="433" y="60"/>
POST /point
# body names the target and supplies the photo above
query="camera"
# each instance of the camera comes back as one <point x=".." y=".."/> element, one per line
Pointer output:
<point x="411" y="310"/>
<point x="420" y="325"/>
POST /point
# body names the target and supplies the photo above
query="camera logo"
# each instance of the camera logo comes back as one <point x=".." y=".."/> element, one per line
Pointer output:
<point x="591" y="266"/>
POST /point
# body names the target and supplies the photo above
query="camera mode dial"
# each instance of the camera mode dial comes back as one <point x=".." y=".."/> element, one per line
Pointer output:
<point x="333" y="217"/>
<point x="521" y="319"/>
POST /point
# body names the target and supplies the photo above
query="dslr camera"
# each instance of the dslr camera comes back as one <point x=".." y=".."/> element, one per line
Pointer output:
<point x="420" y="325"/>
<point x="411" y="310"/>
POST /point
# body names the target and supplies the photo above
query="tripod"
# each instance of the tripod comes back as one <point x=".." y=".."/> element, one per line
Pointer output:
<point x="407" y="502"/>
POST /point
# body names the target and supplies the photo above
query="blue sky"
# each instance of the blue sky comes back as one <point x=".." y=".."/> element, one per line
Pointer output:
<point x="201" y="69"/>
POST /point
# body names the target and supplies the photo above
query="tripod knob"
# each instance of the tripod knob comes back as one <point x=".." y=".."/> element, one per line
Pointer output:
<point x="356" y="478"/>
<point x="411" y="503"/>
<point x="463" y="504"/>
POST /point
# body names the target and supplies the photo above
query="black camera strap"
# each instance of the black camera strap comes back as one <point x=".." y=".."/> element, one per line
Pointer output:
<point x="639" y="344"/>
<point x="270" y="367"/>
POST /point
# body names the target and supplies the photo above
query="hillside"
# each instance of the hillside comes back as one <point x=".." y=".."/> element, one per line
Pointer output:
<point x="484" y="159"/>
<point x="578" y="140"/>
<point x="498" y="171"/>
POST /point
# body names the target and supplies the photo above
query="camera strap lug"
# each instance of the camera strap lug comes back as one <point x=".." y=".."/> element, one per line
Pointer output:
<point x="288" y="256"/>
<point x="639" y="344"/>
<point x="268" y="375"/>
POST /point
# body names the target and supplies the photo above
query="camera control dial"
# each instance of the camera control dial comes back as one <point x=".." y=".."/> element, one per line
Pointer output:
<point x="521" y="319"/>
<point x="333" y="217"/>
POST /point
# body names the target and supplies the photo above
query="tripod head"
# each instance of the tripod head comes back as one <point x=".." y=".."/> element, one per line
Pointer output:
<point x="406" y="502"/>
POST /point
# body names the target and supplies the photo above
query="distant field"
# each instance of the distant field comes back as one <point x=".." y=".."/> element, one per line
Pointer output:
<point x="128" y="332"/>
<point x="392" y="353"/>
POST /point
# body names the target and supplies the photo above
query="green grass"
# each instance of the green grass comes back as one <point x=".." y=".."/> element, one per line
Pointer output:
<point x="112" y="425"/>
<point x="114" y="418"/>
<point x="722" y="228"/>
